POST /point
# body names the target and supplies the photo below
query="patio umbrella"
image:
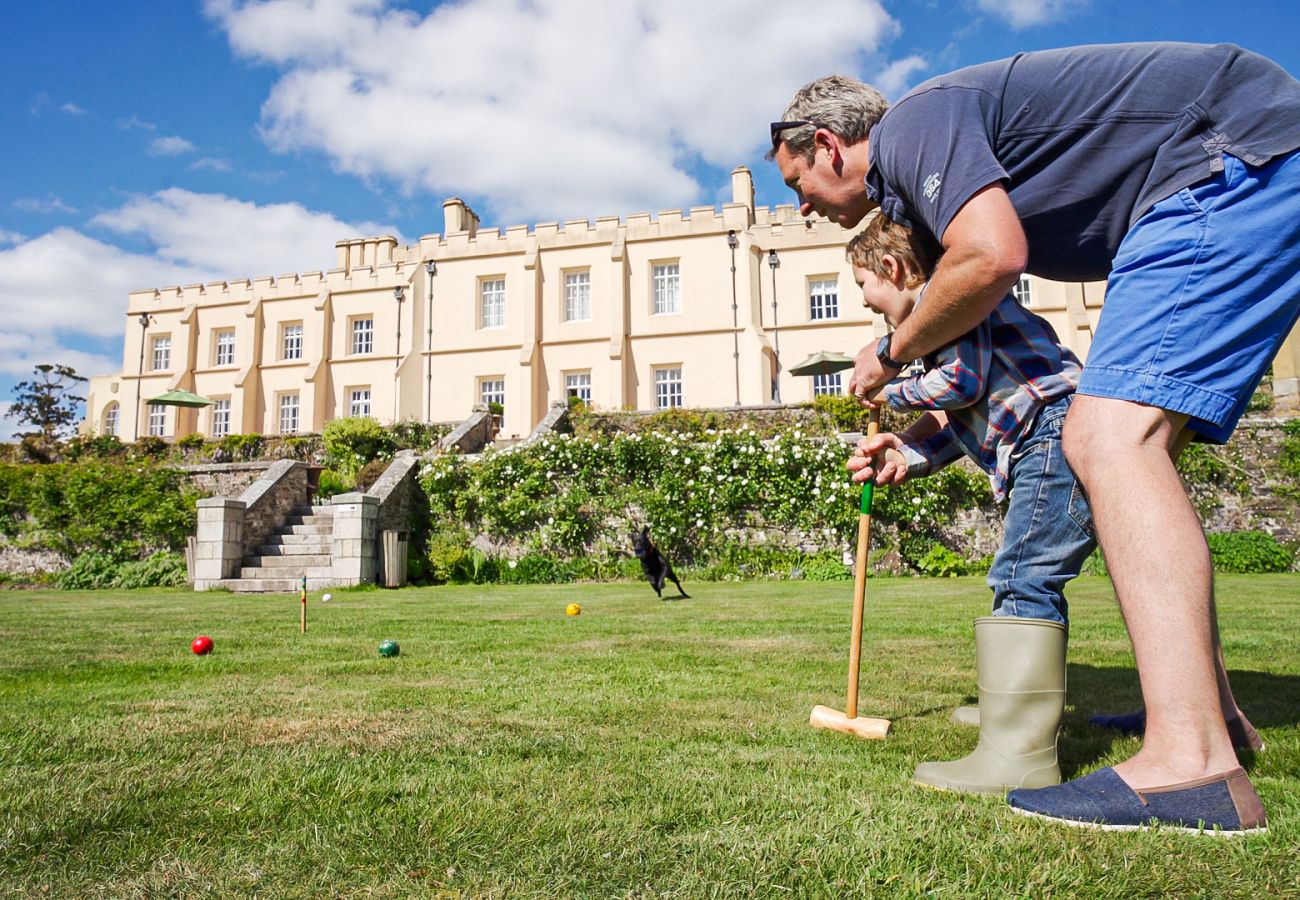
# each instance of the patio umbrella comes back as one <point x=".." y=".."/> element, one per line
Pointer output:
<point x="823" y="362"/>
<point x="179" y="398"/>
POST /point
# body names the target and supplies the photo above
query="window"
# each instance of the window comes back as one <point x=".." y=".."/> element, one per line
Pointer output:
<point x="668" y="388"/>
<point x="578" y="384"/>
<point x="359" y="405"/>
<point x="823" y="299"/>
<point x="1022" y="290"/>
<point x="667" y="288"/>
<point x="225" y="355"/>
<point x="110" y="419"/>
<point x="221" y="417"/>
<point x="828" y="385"/>
<point x="492" y="390"/>
<point x="577" y="296"/>
<point x="292" y="343"/>
<point x="288" y="414"/>
<point x="157" y="421"/>
<point x="363" y="336"/>
<point x="162" y="352"/>
<point x="492" y="303"/>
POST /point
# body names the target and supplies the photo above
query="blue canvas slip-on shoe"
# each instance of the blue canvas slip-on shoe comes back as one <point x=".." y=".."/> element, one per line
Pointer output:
<point x="1242" y="734"/>
<point x="1220" y="805"/>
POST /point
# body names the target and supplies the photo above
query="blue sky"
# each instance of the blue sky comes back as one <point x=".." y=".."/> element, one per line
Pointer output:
<point x="149" y="143"/>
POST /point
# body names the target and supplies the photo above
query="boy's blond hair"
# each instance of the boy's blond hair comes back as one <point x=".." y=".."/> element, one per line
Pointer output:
<point x="883" y="236"/>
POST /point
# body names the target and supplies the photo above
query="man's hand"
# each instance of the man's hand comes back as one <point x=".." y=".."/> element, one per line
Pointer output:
<point x="879" y="459"/>
<point x="868" y="375"/>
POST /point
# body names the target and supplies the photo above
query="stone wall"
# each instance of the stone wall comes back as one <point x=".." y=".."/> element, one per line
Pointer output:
<point x="224" y="479"/>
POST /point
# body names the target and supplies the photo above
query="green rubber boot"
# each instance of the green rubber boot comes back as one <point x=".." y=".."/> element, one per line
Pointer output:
<point x="1021" y="667"/>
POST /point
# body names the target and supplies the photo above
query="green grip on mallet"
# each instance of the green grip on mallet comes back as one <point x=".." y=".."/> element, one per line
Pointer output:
<point x="865" y="502"/>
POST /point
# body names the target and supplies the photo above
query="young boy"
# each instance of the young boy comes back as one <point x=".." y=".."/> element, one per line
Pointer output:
<point x="999" y="395"/>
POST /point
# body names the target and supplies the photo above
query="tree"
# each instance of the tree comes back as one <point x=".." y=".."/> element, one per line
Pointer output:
<point x="47" y="402"/>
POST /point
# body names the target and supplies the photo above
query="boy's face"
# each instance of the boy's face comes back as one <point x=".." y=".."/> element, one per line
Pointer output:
<point x="886" y="298"/>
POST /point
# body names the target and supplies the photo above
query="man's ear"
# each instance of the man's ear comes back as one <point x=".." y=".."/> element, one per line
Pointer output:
<point x="825" y="139"/>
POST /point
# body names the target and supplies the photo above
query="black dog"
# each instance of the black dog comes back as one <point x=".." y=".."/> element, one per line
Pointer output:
<point x="656" y="568"/>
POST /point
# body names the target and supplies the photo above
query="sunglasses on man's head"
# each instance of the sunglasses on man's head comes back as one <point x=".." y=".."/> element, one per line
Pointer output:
<point x="778" y="127"/>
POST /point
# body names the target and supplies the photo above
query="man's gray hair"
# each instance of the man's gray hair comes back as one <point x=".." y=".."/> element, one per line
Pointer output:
<point x="843" y="105"/>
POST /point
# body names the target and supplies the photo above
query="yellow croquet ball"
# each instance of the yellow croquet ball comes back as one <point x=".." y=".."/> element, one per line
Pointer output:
<point x="573" y="609"/>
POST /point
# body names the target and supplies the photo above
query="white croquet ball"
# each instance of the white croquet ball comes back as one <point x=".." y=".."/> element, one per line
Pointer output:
<point x="326" y="598"/>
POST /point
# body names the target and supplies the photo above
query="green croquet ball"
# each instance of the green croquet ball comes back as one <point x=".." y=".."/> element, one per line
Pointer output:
<point x="389" y="648"/>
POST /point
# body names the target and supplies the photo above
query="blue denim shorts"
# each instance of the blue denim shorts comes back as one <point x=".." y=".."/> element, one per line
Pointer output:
<point x="1204" y="289"/>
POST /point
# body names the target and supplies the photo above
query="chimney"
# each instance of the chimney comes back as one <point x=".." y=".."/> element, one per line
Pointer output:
<point x="458" y="218"/>
<point x="742" y="188"/>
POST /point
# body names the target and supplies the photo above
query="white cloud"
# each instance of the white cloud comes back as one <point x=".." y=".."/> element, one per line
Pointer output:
<point x="66" y="288"/>
<point x="72" y="109"/>
<point x="212" y="164"/>
<point x="170" y="146"/>
<point x="234" y="238"/>
<point x="48" y="204"/>
<point x="894" y="80"/>
<point x="1026" y="13"/>
<point x="541" y="108"/>
<point x="135" y="123"/>
<point x="11" y="237"/>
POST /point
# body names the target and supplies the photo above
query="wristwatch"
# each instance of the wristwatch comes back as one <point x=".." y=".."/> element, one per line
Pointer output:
<point x="882" y="354"/>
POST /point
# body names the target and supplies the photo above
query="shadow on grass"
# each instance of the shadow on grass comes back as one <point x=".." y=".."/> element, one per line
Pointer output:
<point x="1269" y="700"/>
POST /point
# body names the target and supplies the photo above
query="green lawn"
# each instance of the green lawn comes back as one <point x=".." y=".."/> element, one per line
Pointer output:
<point x="642" y="749"/>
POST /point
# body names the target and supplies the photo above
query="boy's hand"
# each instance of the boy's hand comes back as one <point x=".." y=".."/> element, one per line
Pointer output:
<point x="879" y="459"/>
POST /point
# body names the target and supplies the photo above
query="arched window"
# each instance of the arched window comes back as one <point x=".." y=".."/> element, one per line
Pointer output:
<point x="110" y="419"/>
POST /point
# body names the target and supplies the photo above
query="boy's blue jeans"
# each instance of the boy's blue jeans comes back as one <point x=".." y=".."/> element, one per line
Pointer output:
<point x="1047" y="529"/>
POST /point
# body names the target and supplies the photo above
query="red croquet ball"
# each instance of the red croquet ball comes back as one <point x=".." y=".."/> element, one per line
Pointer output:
<point x="202" y="644"/>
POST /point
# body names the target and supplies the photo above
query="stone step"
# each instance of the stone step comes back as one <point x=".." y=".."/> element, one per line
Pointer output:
<point x="308" y="519"/>
<point x="288" y="574"/>
<point x="290" y="539"/>
<point x="275" y="585"/>
<point x="306" y="548"/>
<point x="306" y="529"/>
<point x="295" y="561"/>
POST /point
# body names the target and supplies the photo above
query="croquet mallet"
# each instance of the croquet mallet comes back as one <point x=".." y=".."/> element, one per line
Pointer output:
<point x="849" y="721"/>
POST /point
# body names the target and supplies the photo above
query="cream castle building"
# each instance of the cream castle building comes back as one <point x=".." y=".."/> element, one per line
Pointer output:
<point x="705" y="308"/>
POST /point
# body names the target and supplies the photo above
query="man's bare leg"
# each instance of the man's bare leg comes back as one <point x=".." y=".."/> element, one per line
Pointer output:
<point x="1227" y="701"/>
<point x="1122" y="454"/>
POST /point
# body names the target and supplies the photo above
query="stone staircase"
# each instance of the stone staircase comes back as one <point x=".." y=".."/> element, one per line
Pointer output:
<point x="303" y="545"/>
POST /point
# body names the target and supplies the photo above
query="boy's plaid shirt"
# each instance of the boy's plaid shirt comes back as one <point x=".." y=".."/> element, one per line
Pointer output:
<point x="991" y="382"/>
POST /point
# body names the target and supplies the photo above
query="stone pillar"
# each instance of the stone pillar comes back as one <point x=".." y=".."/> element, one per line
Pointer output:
<point x="1286" y="373"/>
<point x="219" y="544"/>
<point x="355" y="560"/>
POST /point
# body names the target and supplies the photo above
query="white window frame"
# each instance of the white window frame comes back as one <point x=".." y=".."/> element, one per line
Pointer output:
<point x="577" y="295"/>
<point x="359" y="402"/>
<point x="361" y="331"/>
<point x="291" y="334"/>
<point x="492" y="389"/>
<point x="666" y="288"/>
<point x="668" y="387"/>
<point x="161" y="357"/>
<point x="112" y="418"/>
<point x="220" y="417"/>
<point x="492" y="302"/>
<point x="823" y="298"/>
<point x="157" y="421"/>
<point x="287" y="405"/>
<point x="828" y="385"/>
<point x="1024" y="291"/>
<point x="223" y="353"/>
<point x="578" y="384"/>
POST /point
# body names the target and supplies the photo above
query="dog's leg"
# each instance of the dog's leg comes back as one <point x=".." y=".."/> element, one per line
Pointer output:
<point x="680" y="590"/>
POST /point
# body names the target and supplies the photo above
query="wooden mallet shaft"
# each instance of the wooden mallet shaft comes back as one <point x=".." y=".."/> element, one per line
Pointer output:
<point x="849" y="721"/>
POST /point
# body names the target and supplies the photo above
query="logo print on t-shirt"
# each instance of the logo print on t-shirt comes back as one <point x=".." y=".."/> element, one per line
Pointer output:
<point x="931" y="186"/>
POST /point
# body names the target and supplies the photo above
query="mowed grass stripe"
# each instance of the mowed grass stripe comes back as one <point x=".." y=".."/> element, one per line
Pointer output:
<point x="640" y="749"/>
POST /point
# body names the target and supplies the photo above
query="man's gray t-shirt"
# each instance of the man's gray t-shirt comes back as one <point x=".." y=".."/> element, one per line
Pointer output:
<point x="1084" y="139"/>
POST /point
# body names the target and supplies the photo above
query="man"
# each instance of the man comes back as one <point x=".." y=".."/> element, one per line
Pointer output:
<point x="1172" y="170"/>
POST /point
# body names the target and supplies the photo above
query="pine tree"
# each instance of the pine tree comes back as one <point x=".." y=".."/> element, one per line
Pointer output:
<point x="47" y="402"/>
